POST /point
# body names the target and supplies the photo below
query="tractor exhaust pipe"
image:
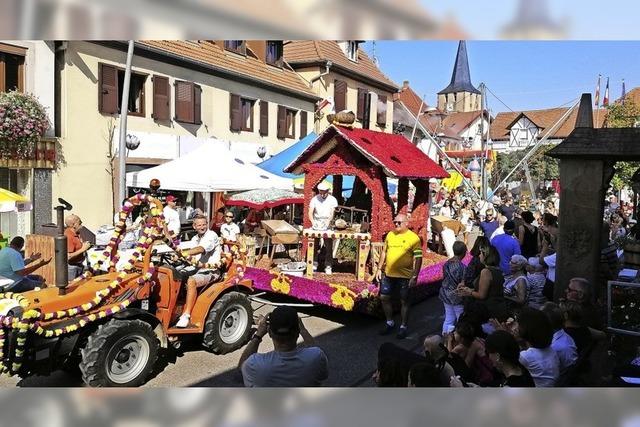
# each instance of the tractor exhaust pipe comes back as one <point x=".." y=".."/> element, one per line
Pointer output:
<point x="60" y="249"/>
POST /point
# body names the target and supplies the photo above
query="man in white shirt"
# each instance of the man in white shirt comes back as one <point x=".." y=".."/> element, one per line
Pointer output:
<point x="206" y="249"/>
<point x="171" y="216"/>
<point x="562" y="344"/>
<point x="229" y="230"/>
<point x="321" y="211"/>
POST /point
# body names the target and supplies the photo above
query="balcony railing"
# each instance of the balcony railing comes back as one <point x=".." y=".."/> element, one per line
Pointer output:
<point x="43" y="157"/>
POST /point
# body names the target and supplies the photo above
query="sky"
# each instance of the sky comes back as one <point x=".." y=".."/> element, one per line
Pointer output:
<point x="581" y="19"/>
<point x="519" y="75"/>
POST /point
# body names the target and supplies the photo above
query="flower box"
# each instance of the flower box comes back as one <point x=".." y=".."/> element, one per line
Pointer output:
<point x="623" y="307"/>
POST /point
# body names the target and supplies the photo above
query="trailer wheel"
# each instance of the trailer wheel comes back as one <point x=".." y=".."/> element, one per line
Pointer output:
<point x="228" y="324"/>
<point x="120" y="353"/>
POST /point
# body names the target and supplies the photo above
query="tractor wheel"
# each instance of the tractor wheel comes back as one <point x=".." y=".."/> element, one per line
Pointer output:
<point x="120" y="353"/>
<point x="228" y="324"/>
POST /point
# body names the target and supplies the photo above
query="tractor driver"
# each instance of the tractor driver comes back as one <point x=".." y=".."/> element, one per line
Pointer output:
<point x="207" y="249"/>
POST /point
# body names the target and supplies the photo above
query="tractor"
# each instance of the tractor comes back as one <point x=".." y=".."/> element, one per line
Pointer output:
<point x="111" y="324"/>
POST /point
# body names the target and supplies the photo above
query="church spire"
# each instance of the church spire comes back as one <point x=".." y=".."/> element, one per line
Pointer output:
<point x="533" y="20"/>
<point x="461" y="77"/>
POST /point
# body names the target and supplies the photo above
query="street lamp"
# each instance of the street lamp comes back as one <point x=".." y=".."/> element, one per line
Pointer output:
<point x="261" y="151"/>
<point x="132" y="142"/>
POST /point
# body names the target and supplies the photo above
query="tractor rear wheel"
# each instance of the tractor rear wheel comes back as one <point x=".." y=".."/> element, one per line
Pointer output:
<point x="120" y="353"/>
<point x="228" y="324"/>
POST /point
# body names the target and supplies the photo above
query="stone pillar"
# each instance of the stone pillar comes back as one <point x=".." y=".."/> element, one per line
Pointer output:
<point x="42" y="199"/>
<point x="583" y="187"/>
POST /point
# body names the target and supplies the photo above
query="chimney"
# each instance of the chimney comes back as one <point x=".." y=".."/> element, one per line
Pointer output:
<point x="405" y="84"/>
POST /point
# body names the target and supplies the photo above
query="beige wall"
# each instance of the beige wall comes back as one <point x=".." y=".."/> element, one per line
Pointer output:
<point x="84" y="181"/>
<point x="324" y="87"/>
<point x="461" y="101"/>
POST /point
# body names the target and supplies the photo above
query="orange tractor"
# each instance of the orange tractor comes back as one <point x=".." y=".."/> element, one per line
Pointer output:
<point x="112" y="323"/>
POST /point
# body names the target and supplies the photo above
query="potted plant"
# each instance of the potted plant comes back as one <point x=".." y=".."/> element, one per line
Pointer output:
<point x="23" y="121"/>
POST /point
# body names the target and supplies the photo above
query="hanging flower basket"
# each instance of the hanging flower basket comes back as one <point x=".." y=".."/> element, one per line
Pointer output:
<point x="23" y="121"/>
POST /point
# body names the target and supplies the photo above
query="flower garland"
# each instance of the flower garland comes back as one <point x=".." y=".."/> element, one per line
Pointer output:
<point x="154" y="230"/>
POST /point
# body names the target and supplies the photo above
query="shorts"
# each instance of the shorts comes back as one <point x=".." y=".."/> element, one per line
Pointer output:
<point x="203" y="278"/>
<point x="390" y="285"/>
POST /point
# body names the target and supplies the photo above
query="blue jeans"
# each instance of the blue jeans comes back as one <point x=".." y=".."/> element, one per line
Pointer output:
<point x="74" y="271"/>
<point x="27" y="283"/>
<point x="389" y="284"/>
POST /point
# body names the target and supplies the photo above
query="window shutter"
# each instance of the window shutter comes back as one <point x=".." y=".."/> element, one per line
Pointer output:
<point x="282" y="122"/>
<point x="264" y="118"/>
<point x="197" y="104"/>
<point x="235" y="113"/>
<point x="184" y="102"/>
<point x="303" y="124"/>
<point x="382" y="110"/>
<point x="362" y="94"/>
<point x="108" y="87"/>
<point x="340" y="95"/>
<point x="161" y="98"/>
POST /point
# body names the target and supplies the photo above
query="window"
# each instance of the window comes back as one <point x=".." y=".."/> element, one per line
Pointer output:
<point x="264" y="118"/>
<point x="111" y="83"/>
<point x="303" y="124"/>
<point x="274" y="53"/>
<point x="188" y="106"/>
<point x="352" y="50"/>
<point x="237" y="46"/>
<point x="241" y="113"/>
<point x="382" y="111"/>
<point x="11" y="68"/>
<point x="340" y="95"/>
<point x="161" y="99"/>
<point x="286" y="122"/>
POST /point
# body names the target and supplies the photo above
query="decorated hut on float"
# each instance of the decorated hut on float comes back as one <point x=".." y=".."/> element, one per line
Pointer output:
<point x="371" y="157"/>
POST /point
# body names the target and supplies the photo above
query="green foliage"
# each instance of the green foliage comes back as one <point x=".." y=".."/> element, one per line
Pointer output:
<point x="618" y="116"/>
<point x="541" y="167"/>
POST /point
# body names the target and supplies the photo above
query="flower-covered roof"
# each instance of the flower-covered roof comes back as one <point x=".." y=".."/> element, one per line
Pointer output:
<point x="394" y="153"/>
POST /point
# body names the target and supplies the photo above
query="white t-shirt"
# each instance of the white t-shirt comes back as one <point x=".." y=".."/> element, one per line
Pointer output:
<point x="551" y="264"/>
<point x="172" y="218"/>
<point x="499" y="231"/>
<point x="322" y="211"/>
<point x="229" y="231"/>
<point x="446" y="211"/>
<point x="543" y="365"/>
<point x="448" y="239"/>
<point x="210" y="242"/>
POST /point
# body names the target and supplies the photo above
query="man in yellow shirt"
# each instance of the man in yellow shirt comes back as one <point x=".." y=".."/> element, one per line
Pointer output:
<point x="401" y="258"/>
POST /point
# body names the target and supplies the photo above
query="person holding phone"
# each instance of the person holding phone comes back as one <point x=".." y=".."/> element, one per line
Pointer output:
<point x="288" y="365"/>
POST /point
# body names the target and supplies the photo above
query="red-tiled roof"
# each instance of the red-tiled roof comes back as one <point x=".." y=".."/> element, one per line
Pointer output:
<point x="301" y="52"/>
<point x="633" y="95"/>
<point x="397" y="156"/>
<point x="211" y="53"/>
<point x="543" y="119"/>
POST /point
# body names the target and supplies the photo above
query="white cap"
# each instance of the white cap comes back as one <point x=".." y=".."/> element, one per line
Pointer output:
<point x="323" y="186"/>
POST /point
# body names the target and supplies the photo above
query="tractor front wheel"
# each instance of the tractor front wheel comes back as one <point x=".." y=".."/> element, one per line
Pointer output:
<point x="228" y="324"/>
<point x="120" y="353"/>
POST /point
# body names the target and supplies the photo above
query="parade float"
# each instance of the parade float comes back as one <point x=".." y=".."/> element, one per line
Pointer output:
<point x="111" y="322"/>
<point x="372" y="158"/>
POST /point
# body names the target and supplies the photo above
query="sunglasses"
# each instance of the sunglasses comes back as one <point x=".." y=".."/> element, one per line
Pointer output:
<point x="228" y="216"/>
<point x="397" y="222"/>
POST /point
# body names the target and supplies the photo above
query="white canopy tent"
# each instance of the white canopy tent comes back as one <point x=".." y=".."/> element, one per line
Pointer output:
<point x="209" y="168"/>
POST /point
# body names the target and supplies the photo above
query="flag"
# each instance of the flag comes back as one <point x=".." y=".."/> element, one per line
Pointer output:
<point x="624" y="91"/>
<point x="605" y="101"/>
<point x="324" y="103"/>
<point x="597" y="100"/>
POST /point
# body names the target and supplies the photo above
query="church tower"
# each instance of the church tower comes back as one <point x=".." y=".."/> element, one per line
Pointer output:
<point x="460" y="96"/>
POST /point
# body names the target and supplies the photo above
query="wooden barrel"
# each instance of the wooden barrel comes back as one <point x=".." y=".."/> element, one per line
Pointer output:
<point x="632" y="255"/>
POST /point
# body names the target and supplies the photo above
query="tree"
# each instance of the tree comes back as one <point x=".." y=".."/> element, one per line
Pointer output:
<point x="620" y="115"/>
<point x="541" y="167"/>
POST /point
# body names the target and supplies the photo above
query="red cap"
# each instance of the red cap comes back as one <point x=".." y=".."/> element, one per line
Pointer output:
<point x="171" y="198"/>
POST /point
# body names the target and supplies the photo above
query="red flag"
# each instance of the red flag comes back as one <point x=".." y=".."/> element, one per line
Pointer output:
<point x="605" y="101"/>
<point x="597" y="99"/>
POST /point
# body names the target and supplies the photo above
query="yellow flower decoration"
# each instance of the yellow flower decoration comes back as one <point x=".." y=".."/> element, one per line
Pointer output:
<point x="343" y="297"/>
<point x="281" y="283"/>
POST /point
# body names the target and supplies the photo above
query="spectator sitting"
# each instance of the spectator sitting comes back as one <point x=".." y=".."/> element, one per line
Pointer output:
<point x="507" y="246"/>
<point x="562" y="343"/>
<point x="574" y="325"/>
<point x="537" y="279"/>
<point x="502" y="220"/>
<point x="516" y="286"/>
<point x="579" y="290"/>
<point x="14" y="267"/>
<point x="539" y="358"/>
<point x="424" y="375"/>
<point x="465" y="343"/>
<point x="394" y="364"/>
<point x="453" y="275"/>
<point x="288" y="365"/>
<point x="436" y="354"/>
<point x="504" y="352"/>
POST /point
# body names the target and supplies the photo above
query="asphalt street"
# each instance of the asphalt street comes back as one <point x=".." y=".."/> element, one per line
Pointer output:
<point x="350" y="341"/>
